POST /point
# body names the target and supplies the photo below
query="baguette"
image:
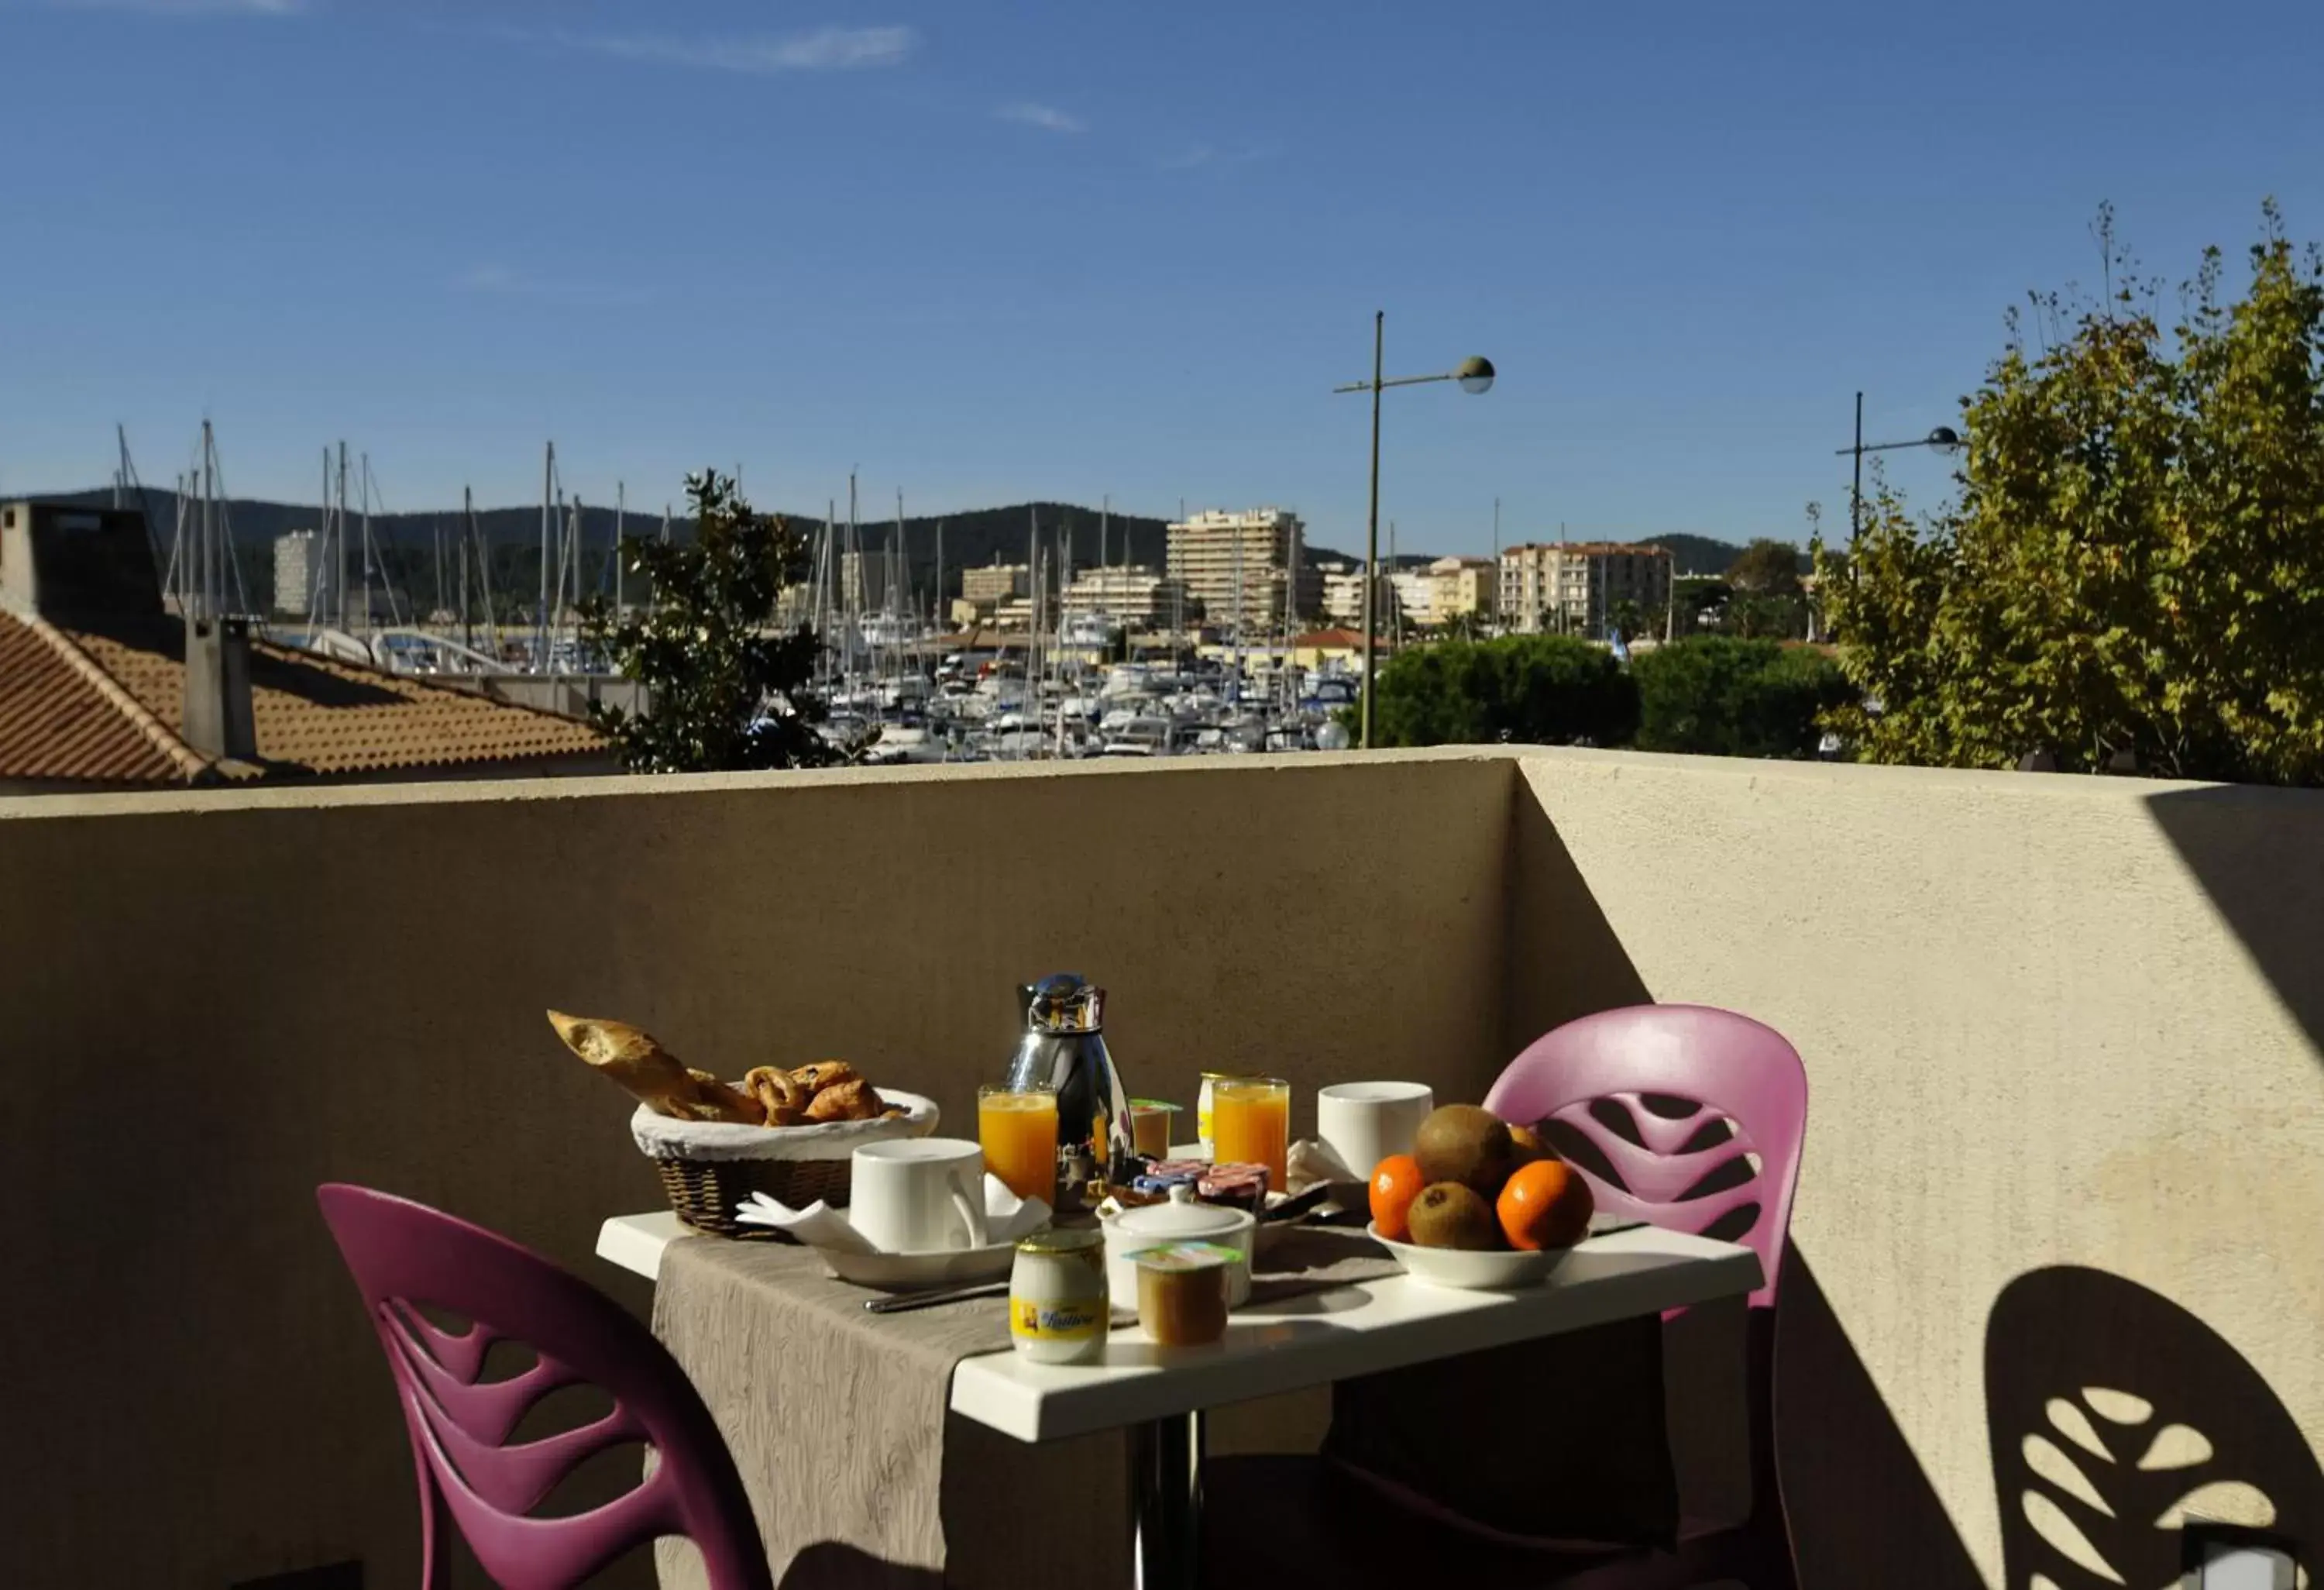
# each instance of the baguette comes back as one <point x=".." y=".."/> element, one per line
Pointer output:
<point x="652" y="1074"/>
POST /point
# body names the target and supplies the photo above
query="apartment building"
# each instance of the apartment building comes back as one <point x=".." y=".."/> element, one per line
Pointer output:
<point x="1138" y="595"/>
<point x="1575" y="587"/>
<point x="1248" y="569"/>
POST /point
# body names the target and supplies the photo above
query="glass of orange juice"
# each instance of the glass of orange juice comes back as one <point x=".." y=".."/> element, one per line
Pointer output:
<point x="1250" y="1124"/>
<point x="1018" y="1127"/>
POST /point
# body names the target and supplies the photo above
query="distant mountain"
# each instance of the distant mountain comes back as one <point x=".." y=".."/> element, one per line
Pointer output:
<point x="406" y="546"/>
<point x="1698" y="554"/>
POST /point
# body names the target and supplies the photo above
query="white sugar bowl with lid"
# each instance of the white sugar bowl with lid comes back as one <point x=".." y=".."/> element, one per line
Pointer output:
<point x="1181" y="1220"/>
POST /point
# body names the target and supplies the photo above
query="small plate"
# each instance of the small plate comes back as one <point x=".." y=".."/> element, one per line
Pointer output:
<point x="907" y="1271"/>
<point x="1500" y="1269"/>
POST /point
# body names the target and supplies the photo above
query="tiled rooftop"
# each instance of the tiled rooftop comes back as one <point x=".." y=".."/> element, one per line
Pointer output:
<point x="62" y="717"/>
<point x="107" y="707"/>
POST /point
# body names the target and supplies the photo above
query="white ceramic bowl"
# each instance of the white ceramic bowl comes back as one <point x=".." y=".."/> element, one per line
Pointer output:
<point x="1181" y="1220"/>
<point x="1500" y="1270"/>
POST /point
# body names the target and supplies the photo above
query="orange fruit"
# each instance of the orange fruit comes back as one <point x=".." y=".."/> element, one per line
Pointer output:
<point x="1395" y="1183"/>
<point x="1545" y="1205"/>
<point x="1530" y="1144"/>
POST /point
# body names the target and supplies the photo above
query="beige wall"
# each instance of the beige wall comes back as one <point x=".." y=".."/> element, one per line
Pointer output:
<point x="210" y="1004"/>
<point x="2039" y="1029"/>
<point x="2045" y="1020"/>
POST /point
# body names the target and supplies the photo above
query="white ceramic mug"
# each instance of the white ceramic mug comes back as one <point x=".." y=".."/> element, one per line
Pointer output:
<point x="919" y="1195"/>
<point x="1364" y="1122"/>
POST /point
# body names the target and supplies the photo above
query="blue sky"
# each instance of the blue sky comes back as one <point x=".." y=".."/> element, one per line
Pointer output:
<point x="990" y="251"/>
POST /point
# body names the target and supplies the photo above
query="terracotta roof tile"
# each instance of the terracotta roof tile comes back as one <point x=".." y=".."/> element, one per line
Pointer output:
<point x="60" y="721"/>
<point x="107" y="706"/>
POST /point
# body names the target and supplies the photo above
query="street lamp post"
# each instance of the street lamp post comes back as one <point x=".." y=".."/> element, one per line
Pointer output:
<point x="1475" y="376"/>
<point x="1944" y="438"/>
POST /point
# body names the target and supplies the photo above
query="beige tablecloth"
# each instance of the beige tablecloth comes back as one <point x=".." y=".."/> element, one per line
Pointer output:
<point x="839" y="1423"/>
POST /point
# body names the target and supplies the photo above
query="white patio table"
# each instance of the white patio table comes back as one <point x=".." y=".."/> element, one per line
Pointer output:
<point x="1159" y="1395"/>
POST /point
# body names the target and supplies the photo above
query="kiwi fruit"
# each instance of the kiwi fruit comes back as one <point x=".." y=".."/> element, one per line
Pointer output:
<point x="1451" y="1216"/>
<point x="1462" y="1144"/>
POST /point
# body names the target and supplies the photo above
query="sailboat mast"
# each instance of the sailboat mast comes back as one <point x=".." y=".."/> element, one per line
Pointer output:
<point x="823" y="565"/>
<point x="318" y="549"/>
<point x="339" y="542"/>
<point x="1036" y="595"/>
<point x="851" y="569"/>
<point x="467" y="540"/>
<point x="366" y="546"/>
<point x="1234" y="676"/>
<point x="208" y="565"/>
<point x="540" y="613"/>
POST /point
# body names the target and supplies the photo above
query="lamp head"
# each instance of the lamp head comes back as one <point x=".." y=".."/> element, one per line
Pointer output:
<point x="1945" y="438"/>
<point x="1475" y="374"/>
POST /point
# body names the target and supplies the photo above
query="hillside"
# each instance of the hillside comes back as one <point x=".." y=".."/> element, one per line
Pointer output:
<point x="406" y="545"/>
<point x="1698" y="554"/>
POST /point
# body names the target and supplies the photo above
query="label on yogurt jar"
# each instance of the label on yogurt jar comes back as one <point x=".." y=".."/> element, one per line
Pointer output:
<point x="1068" y="1320"/>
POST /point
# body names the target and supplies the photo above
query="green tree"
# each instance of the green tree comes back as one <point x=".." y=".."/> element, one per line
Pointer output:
<point x="727" y="691"/>
<point x="1717" y="697"/>
<point x="2134" y="573"/>
<point x="1767" y="569"/>
<point x="1693" y="595"/>
<point x="1537" y="689"/>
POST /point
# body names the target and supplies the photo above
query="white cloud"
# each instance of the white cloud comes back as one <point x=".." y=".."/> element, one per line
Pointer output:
<point x="1047" y="117"/>
<point x="823" y="50"/>
<point x="188" y="7"/>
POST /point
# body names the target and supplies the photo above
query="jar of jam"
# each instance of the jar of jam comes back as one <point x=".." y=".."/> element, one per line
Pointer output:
<point x="1182" y="1293"/>
<point x="1057" y="1306"/>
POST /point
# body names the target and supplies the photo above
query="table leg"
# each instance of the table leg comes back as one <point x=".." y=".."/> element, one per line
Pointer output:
<point x="1165" y="1460"/>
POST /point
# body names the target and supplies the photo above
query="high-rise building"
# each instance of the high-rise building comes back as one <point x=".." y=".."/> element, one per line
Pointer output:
<point x="1576" y="588"/>
<point x="301" y="589"/>
<point x="1249" y="570"/>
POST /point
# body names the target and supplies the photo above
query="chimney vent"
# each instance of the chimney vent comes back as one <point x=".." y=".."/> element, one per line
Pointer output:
<point x="218" y="720"/>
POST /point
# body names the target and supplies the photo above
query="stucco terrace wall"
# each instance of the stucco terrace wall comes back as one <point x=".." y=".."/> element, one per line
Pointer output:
<point x="209" y="1004"/>
<point x="2066" y="1119"/>
<point x="2065" y="1091"/>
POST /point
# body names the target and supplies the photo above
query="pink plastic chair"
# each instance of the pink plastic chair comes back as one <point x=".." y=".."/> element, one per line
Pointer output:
<point x="1728" y="1068"/>
<point x="405" y="1255"/>
<point x="1703" y="1093"/>
<point x="1700" y="1095"/>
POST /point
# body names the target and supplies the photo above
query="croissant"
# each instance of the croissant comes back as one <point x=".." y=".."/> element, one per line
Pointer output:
<point x="784" y="1099"/>
<point x="852" y="1100"/>
<point x="652" y="1074"/>
<point x="824" y="1073"/>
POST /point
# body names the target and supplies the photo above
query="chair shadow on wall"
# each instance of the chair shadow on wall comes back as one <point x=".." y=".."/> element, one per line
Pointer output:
<point x="1860" y="1508"/>
<point x="2115" y="1415"/>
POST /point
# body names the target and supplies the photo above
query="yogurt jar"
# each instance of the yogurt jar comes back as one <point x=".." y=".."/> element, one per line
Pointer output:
<point x="1057" y="1297"/>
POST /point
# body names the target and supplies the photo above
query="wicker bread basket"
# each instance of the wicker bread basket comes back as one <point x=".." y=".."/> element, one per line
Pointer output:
<point x="708" y="1167"/>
